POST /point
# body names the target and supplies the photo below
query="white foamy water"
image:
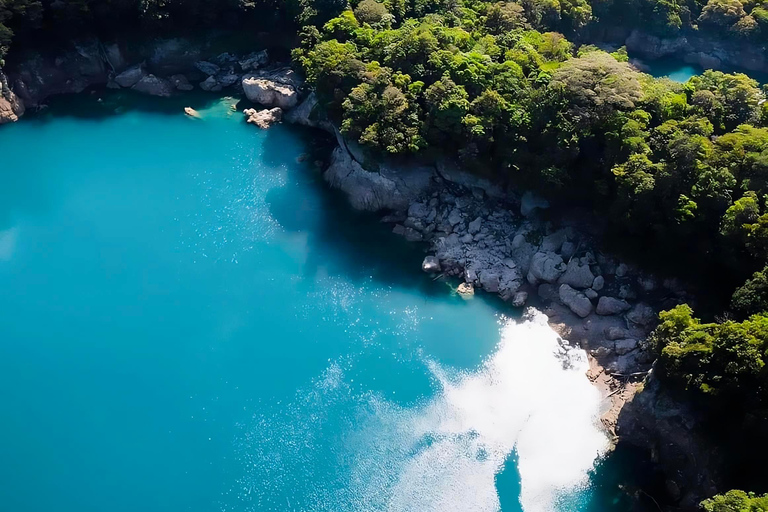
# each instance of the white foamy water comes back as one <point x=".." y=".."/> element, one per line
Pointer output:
<point x="531" y="396"/>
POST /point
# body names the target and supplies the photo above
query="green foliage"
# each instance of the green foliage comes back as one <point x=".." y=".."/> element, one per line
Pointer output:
<point x="724" y="361"/>
<point x="752" y="297"/>
<point x="736" y="501"/>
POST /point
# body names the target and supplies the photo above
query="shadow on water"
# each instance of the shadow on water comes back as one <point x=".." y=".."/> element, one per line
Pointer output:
<point x="341" y="239"/>
<point x="99" y="103"/>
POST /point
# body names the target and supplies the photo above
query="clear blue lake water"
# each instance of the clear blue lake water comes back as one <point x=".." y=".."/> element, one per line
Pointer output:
<point x="192" y="321"/>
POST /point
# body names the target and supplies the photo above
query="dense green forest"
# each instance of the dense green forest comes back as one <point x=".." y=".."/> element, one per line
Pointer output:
<point x="680" y="170"/>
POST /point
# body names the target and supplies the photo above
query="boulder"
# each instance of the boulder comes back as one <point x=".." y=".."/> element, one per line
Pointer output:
<point x="474" y="226"/>
<point x="418" y="210"/>
<point x="625" y="346"/>
<point x="207" y="68"/>
<point x="547" y="292"/>
<point x="210" y="84"/>
<point x="577" y="274"/>
<point x="227" y="79"/>
<point x="531" y="202"/>
<point x="490" y="280"/>
<point x="181" y="82"/>
<point x="454" y="217"/>
<point x="615" y="333"/>
<point x="575" y="300"/>
<point x="254" y="60"/>
<point x="642" y="314"/>
<point x="519" y="299"/>
<point x="131" y="76"/>
<point x="553" y="242"/>
<point x="611" y="306"/>
<point x="263" y="118"/>
<point x="598" y="283"/>
<point x="568" y="249"/>
<point x="590" y="293"/>
<point x="154" y="86"/>
<point x="303" y="113"/>
<point x="430" y="264"/>
<point x="545" y="266"/>
<point x="275" y="88"/>
<point x="466" y="289"/>
<point x="412" y="235"/>
<point x="393" y="187"/>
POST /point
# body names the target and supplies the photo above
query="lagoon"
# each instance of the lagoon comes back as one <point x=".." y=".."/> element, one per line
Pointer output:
<point x="193" y="321"/>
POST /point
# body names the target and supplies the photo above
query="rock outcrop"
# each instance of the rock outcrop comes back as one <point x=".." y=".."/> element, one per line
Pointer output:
<point x="273" y="88"/>
<point x="671" y="432"/>
<point x="263" y="118"/>
<point x="11" y="107"/>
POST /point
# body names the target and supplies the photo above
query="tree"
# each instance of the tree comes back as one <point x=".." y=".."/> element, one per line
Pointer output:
<point x="372" y="12"/>
<point x="736" y="501"/>
<point x="752" y="297"/>
<point x="596" y="85"/>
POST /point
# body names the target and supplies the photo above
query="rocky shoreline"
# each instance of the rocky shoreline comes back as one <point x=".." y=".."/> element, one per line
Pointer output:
<point x="488" y="237"/>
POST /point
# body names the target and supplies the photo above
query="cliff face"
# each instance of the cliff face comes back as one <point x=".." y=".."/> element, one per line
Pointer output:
<point x="671" y="432"/>
<point x="706" y="52"/>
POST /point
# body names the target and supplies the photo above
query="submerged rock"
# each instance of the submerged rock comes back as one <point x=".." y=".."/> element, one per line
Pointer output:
<point x="466" y="289"/>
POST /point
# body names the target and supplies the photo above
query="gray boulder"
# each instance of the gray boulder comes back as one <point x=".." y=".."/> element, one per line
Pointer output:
<point x="154" y="86"/>
<point x="254" y="60"/>
<point x="611" y="306"/>
<point x="131" y="76"/>
<point x="430" y="264"/>
<point x="547" y="267"/>
<point x="615" y="333"/>
<point x="210" y="84"/>
<point x="625" y="346"/>
<point x="181" y="82"/>
<point x="577" y="274"/>
<point x="474" y="226"/>
<point x="575" y="300"/>
<point x="519" y="299"/>
<point x="598" y="283"/>
<point x="642" y="314"/>
<point x="207" y="68"/>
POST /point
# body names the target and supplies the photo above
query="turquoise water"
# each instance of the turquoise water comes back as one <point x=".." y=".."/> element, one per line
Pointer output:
<point x="674" y="69"/>
<point x="192" y="321"/>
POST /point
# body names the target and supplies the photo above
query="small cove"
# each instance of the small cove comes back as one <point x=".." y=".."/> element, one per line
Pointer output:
<point x="193" y="321"/>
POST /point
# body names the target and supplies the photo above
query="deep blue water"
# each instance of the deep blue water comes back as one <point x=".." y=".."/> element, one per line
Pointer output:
<point x="192" y="321"/>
